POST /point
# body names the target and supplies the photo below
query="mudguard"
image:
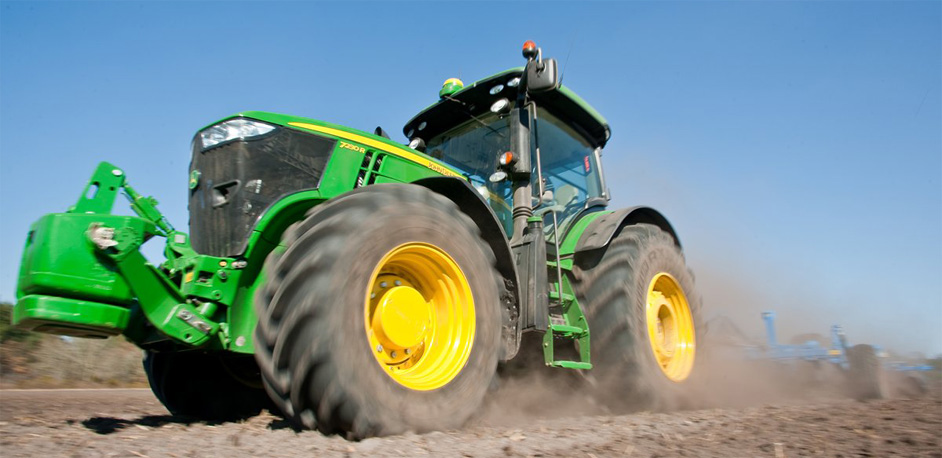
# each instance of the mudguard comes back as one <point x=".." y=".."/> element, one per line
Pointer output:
<point x="472" y="204"/>
<point x="599" y="233"/>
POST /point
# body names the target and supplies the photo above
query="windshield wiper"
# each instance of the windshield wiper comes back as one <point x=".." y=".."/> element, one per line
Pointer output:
<point x="468" y="112"/>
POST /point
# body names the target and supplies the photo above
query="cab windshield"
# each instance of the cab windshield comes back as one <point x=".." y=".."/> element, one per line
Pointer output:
<point x="569" y="168"/>
<point x="473" y="148"/>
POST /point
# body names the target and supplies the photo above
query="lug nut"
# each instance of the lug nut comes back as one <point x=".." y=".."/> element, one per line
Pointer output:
<point x="408" y="351"/>
<point x="379" y="348"/>
<point x="393" y="354"/>
<point x="398" y="283"/>
<point x="382" y="284"/>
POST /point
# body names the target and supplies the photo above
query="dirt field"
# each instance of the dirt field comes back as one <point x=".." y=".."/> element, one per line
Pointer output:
<point x="132" y="423"/>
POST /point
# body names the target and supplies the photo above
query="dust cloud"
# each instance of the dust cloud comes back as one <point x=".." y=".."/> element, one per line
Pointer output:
<point x="723" y="379"/>
<point x="725" y="375"/>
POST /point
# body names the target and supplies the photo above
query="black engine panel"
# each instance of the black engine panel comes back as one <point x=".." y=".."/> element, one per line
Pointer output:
<point x="238" y="180"/>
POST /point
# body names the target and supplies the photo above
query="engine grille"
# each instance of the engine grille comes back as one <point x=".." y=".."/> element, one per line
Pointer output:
<point x="238" y="181"/>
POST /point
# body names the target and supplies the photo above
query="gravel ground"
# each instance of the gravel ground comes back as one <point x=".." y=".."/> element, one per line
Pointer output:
<point x="132" y="423"/>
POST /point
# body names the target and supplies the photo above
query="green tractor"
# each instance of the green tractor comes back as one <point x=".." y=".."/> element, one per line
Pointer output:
<point x="363" y="287"/>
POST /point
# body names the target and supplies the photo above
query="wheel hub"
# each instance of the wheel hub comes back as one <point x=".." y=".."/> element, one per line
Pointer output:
<point x="419" y="316"/>
<point x="670" y="327"/>
<point x="402" y="318"/>
<point x="666" y="335"/>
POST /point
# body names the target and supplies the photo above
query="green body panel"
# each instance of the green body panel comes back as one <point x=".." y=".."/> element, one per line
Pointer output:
<point x="59" y="260"/>
<point x="568" y="246"/>
<point x="356" y="137"/>
<point x="242" y="317"/>
<point x="394" y="169"/>
<point x="60" y="315"/>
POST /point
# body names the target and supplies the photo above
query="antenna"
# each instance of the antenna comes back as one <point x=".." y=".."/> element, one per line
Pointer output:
<point x="566" y="63"/>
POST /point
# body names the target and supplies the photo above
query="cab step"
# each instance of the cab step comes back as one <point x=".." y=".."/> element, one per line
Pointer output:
<point x="567" y="298"/>
<point x="565" y="330"/>
<point x="572" y="365"/>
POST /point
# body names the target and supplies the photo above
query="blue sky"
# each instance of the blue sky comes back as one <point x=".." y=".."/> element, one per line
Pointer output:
<point x="795" y="146"/>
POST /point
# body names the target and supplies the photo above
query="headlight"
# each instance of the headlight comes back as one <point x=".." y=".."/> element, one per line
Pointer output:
<point x="233" y="129"/>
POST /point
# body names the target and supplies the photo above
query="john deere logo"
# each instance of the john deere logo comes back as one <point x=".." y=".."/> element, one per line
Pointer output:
<point x="194" y="179"/>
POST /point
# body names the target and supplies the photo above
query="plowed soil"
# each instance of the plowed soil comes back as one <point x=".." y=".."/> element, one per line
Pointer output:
<point x="132" y="423"/>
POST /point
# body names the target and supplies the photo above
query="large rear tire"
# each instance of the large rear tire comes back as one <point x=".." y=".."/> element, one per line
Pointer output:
<point x="381" y="316"/>
<point x="206" y="386"/>
<point x="644" y="318"/>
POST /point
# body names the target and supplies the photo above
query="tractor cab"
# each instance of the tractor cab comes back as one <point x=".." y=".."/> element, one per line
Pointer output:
<point x="519" y="129"/>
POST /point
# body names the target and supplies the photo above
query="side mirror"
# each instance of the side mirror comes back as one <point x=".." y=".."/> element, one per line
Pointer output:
<point x="542" y="75"/>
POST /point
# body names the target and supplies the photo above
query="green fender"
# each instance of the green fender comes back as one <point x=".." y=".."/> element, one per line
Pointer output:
<point x="471" y="203"/>
<point x="595" y="230"/>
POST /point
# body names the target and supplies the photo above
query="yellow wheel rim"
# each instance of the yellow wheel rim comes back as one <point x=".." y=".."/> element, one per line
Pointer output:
<point x="419" y="316"/>
<point x="670" y="327"/>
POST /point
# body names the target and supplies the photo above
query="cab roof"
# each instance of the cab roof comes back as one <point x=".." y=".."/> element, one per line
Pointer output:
<point x="476" y="99"/>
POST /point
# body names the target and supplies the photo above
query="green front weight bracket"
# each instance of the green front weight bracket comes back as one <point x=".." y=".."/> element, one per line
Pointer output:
<point x="160" y="301"/>
<point x="108" y="287"/>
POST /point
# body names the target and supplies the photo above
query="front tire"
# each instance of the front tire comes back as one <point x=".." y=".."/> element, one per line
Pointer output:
<point x="644" y="318"/>
<point x="206" y="386"/>
<point x="381" y="316"/>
